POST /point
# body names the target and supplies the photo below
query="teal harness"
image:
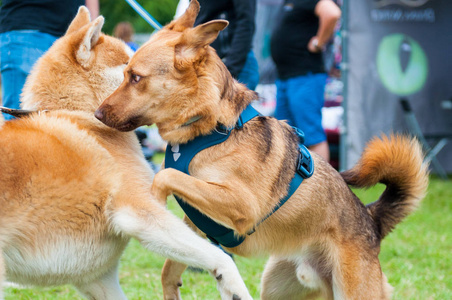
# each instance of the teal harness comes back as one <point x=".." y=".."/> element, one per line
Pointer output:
<point x="180" y="156"/>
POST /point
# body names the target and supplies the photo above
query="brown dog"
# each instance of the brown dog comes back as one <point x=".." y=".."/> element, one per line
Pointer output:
<point x="74" y="191"/>
<point x="323" y="241"/>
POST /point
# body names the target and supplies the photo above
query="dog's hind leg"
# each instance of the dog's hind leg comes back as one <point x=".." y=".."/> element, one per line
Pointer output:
<point x="105" y="288"/>
<point x="171" y="279"/>
<point x="160" y="231"/>
<point x="357" y="275"/>
<point x="280" y="280"/>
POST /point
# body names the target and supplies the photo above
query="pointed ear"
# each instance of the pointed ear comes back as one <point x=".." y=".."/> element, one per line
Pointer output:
<point x="194" y="42"/>
<point x="187" y="20"/>
<point x="81" y="19"/>
<point x="89" y="40"/>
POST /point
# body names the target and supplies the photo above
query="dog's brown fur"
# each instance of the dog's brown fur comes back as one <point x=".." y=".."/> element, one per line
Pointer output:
<point x="323" y="241"/>
<point x="74" y="191"/>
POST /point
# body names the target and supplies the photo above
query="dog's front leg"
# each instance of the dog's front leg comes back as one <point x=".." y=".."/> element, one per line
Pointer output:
<point x="161" y="232"/>
<point x="229" y="203"/>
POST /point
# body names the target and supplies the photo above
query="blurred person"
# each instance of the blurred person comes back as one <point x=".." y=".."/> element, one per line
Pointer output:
<point x="297" y="41"/>
<point x="233" y="44"/>
<point x="125" y="32"/>
<point x="27" y="29"/>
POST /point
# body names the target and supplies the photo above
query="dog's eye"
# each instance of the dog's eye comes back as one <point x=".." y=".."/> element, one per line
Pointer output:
<point x="135" y="78"/>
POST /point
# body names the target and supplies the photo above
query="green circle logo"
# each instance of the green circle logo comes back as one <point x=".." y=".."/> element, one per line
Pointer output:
<point x="402" y="64"/>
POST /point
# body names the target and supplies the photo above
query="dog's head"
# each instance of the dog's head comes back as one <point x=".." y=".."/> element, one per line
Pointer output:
<point x="177" y="81"/>
<point x="80" y="69"/>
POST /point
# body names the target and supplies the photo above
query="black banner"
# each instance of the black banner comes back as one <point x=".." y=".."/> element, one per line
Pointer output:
<point x="397" y="49"/>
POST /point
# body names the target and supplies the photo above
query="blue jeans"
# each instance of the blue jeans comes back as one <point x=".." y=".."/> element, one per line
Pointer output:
<point x="249" y="75"/>
<point x="299" y="100"/>
<point x="19" y="50"/>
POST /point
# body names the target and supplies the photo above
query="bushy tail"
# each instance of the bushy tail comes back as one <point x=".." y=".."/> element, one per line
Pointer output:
<point x="397" y="162"/>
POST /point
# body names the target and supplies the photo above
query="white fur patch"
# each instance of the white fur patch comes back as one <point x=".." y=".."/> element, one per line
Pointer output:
<point x="305" y="272"/>
<point x="27" y="101"/>
<point x="308" y="277"/>
<point x="63" y="260"/>
<point x="113" y="77"/>
<point x="167" y="235"/>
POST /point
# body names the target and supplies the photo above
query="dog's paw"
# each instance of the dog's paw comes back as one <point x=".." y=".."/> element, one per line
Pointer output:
<point x="172" y="292"/>
<point x="230" y="284"/>
<point x="175" y="296"/>
<point x="171" y="285"/>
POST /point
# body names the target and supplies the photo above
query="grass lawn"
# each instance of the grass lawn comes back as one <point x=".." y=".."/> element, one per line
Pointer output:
<point x="416" y="258"/>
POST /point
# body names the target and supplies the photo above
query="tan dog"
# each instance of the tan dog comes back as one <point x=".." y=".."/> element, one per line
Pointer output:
<point x="74" y="191"/>
<point x="323" y="241"/>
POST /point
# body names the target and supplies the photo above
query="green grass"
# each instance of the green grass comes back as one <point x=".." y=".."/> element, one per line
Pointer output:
<point x="416" y="258"/>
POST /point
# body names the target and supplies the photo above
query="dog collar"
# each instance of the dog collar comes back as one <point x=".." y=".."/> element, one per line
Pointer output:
<point x="19" y="113"/>
<point x="179" y="157"/>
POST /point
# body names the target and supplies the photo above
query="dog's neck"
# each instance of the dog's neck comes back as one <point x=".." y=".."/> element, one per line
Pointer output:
<point x="45" y="95"/>
<point x="234" y="97"/>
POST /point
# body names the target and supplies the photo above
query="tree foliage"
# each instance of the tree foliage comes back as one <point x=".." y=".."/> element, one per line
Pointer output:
<point x="116" y="11"/>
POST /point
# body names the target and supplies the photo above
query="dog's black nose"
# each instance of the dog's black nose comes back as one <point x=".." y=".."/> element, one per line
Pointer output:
<point x="98" y="114"/>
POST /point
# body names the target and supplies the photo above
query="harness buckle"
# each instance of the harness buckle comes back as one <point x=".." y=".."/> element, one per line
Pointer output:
<point x="221" y="129"/>
<point x="305" y="165"/>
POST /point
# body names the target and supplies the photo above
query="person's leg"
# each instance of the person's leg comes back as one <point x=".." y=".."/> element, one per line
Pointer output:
<point x="282" y="109"/>
<point x="321" y="148"/>
<point x="306" y="99"/>
<point x="19" y="51"/>
<point x="13" y="78"/>
<point x="250" y="72"/>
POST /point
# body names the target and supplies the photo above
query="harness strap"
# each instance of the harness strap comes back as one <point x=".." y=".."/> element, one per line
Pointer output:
<point x="305" y="169"/>
<point x="179" y="157"/>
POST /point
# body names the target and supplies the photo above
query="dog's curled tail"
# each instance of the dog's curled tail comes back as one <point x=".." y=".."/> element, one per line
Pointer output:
<point x="397" y="162"/>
